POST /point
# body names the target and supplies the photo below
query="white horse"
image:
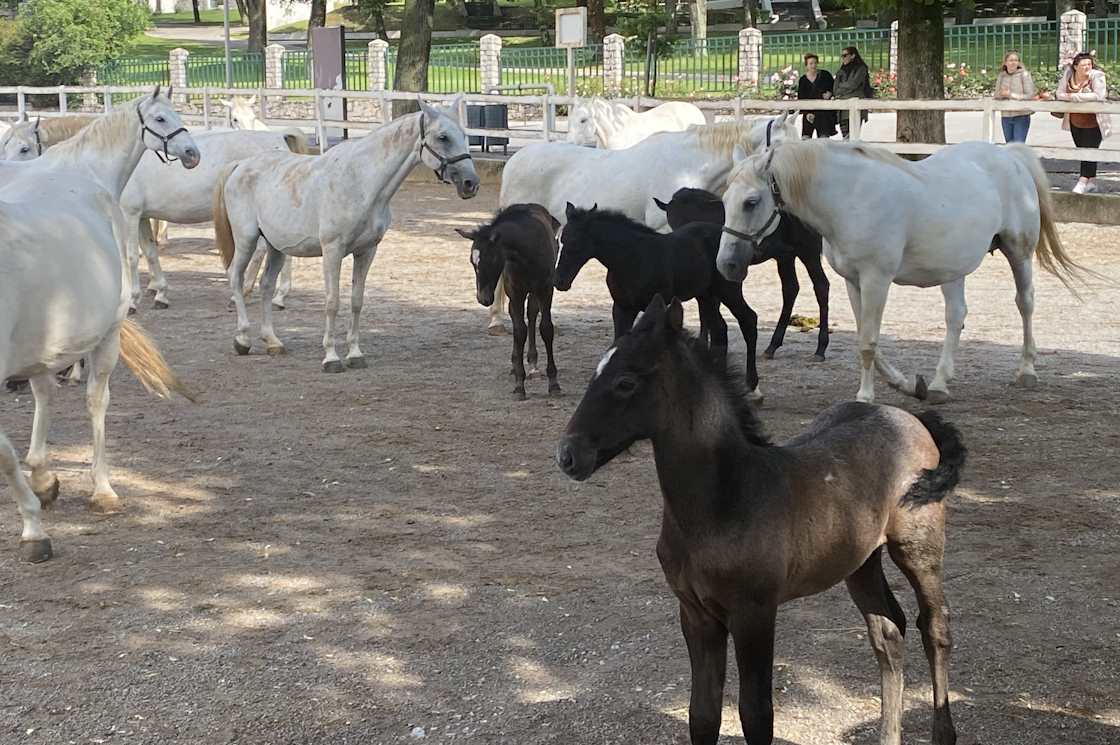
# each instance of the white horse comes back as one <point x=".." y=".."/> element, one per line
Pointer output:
<point x="885" y="219"/>
<point x="187" y="198"/>
<point x="554" y="174"/>
<point x="330" y="205"/>
<point x="615" y="126"/>
<point x="64" y="287"/>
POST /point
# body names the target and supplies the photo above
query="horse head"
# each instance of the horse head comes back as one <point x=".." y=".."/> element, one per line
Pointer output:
<point x="243" y="114"/>
<point x="162" y="130"/>
<point x="444" y="149"/>
<point x="751" y="212"/>
<point x="581" y="123"/>
<point x="21" y="142"/>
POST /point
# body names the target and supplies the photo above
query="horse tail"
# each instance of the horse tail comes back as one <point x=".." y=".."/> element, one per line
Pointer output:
<point x="223" y="231"/>
<point x="934" y="484"/>
<point x="1052" y="257"/>
<point x="298" y="142"/>
<point x="143" y="358"/>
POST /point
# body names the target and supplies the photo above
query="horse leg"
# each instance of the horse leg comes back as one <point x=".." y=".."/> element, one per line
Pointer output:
<point x="359" y="271"/>
<point x="955" y="311"/>
<point x="717" y="328"/>
<point x="753" y="632"/>
<point x="748" y="326"/>
<point x="623" y="319"/>
<point x="272" y="343"/>
<point x="34" y="543"/>
<point x="706" y="639"/>
<point x="102" y="361"/>
<point x="157" y="282"/>
<point x="241" y="256"/>
<point x="284" y="287"/>
<point x="532" y="357"/>
<point x="548" y="333"/>
<point x="919" y="555"/>
<point x="132" y="250"/>
<point x="43" y="482"/>
<point x="886" y="626"/>
<point x="1024" y="300"/>
<point x="787" y="272"/>
<point x="520" y="331"/>
<point x="868" y="299"/>
<point x="496" y="327"/>
<point x="260" y="253"/>
<point x="812" y="263"/>
<point x="332" y="268"/>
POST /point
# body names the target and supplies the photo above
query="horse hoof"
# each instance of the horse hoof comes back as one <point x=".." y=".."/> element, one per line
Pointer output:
<point x="818" y="358"/>
<point x="554" y="389"/>
<point x="1028" y="381"/>
<point x="937" y="398"/>
<point x="921" y="390"/>
<point x="105" y="504"/>
<point x="277" y="306"/>
<point x="150" y="292"/>
<point x="356" y="363"/>
<point x="48" y="496"/>
<point x="498" y="330"/>
<point x="533" y="374"/>
<point x="241" y="349"/>
<point x="768" y="354"/>
<point x="160" y="305"/>
<point x="334" y="366"/>
<point x="276" y="351"/>
<point x="35" y="552"/>
<point x="519" y="394"/>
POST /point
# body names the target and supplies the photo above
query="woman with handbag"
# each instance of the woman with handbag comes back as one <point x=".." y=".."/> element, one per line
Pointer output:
<point x="1082" y="81"/>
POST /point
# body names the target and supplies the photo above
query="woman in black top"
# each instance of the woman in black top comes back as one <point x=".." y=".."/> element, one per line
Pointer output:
<point x="852" y="81"/>
<point x="815" y="85"/>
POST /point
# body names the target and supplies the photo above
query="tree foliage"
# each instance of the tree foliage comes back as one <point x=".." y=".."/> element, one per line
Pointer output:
<point x="56" y="41"/>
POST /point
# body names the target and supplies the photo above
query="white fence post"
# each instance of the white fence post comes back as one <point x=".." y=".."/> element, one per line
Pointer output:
<point x="274" y="66"/>
<point x="750" y="58"/>
<point x="894" y="48"/>
<point x="614" y="60"/>
<point x="490" y="61"/>
<point x="377" y="54"/>
<point x="1071" y="36"/>
<point x="89" y="100"/>
<point x="177" y="61"/>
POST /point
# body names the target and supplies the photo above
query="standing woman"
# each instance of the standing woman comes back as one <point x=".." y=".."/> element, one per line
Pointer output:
<point x="1082" y="81"/>
<point x="852" y="81"/>
<point x="1014" y="83"/>
<point x="816" y="84"/>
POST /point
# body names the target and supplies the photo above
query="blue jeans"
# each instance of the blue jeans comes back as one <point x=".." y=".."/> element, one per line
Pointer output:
<point x="1015" y="128"/>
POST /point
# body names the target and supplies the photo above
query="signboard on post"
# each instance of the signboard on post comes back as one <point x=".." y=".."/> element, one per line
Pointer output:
<point x="571" y="33"/>
<point x="328" y="52"/>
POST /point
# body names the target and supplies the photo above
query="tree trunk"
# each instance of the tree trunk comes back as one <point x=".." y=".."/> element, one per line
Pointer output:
<point x="750" y="11"/>
<point x="671" y="17"/>
<point x="242" y="12"/>
<point x="1100" y="8"/>
<point x="258" y="24"/>
<point x="460" y="7"/>
<point x="412" y="57"/>
<point x="318" y="17"/>
<point x="965" y="12"/>
<point x="698" y="13"/>
<point x="379" y="28"/>
<point x="596" y="21"/>
<point x="194" y="7"/>
<point x="921" y="49"/>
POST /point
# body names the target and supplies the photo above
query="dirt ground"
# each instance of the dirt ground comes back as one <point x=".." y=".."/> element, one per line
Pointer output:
<point x="391" y="555"/>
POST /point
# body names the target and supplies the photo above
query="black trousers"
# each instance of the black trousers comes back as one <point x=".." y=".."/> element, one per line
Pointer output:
<point x="1087" y="137"/>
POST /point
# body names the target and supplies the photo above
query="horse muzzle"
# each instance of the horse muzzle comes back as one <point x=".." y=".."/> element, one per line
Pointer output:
<point x="576" y="458"/>
<point x="734" y="258"/>
<point x="485" y="297"/>
<point x="190" y="158"/>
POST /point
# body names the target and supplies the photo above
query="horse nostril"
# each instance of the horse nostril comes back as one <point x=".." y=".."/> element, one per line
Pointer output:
<point x="564" y="457"/>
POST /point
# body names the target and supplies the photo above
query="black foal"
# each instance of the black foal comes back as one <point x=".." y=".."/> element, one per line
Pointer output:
<point x="793" y="239"/>
<point x="521" y="243"/>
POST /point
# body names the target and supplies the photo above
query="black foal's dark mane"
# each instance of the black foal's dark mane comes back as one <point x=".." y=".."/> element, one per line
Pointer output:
<point x="731" y="386"/>
<point x="511" y="213"/>
<point x="613" y="226"/>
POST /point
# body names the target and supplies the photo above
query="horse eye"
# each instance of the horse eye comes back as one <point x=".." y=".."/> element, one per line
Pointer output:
<point x="751" y="203"/>
<point x="160" y="119"/>
<point x="24" y="149"/>
<point x="625" y="385"/>
<point x="443" y="138"/>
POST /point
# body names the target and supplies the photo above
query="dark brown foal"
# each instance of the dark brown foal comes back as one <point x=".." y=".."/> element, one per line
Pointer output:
<point x="748" y="525"/>
<point x="520" y="243"/>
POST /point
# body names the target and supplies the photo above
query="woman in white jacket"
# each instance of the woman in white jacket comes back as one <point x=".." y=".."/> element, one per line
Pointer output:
<point x="1082" y="81"/>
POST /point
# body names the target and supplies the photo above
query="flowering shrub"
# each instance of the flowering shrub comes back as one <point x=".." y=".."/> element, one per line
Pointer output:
<point x="784" y="84"/>
<point x="885" y="84"/>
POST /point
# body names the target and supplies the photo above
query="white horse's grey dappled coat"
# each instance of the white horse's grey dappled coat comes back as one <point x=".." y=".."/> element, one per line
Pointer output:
<point x="884" y="219"/>
<point x="332" y="205"/>
<point x="597" y="122"/>
<point x="64" y="284"/>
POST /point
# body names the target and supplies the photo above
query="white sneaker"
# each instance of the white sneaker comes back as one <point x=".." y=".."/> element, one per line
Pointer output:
<point x="1090" y="187"/>
<point x="1080" y="187"/>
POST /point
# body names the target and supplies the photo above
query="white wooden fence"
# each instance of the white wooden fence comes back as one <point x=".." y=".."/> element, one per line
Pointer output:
<point x="546" y="130"/>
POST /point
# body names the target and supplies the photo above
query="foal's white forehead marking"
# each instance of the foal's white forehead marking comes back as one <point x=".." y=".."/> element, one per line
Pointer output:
<point x="476" y="256"/>
<point x="603" y="362"/>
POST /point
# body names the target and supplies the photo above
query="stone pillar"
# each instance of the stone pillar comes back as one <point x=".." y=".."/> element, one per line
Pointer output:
<point x="177" y="59"/>
<point x="274" y="66"/>
<point x="894" y="47"/>
<point x="89" y="100"/>
<point x="750" y="58"/>
<point x="377" y="53"/>
<point x="614" y="55"/>
<point x="490" y="61"/>
<point x="1071" y="36"/>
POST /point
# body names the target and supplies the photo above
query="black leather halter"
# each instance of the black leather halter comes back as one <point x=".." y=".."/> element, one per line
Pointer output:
<point x="755" y="239"/>
<point x="145" y="129"/>
<point x="441" y="172"/>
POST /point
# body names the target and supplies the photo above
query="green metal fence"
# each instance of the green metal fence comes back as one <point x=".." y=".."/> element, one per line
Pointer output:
<point x="247" y="70"/>
<point x="1102" y="35"/>
<point x="539" y="65"/>
<point x="982" y="46"/>
<point x="782" y="50"/>
<point x="297" y="69"/>
<point x="699" y="66"/>
<point x="452" y="68"/>
<point x="135" y="72"/>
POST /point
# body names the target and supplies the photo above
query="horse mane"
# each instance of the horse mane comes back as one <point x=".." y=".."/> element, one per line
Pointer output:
<point x="104" y="133"/>
<point x="730" y="385"/>
<point x="612" y="220"/>
<point x="722" y="138"/>
<point x="63" y="128"/>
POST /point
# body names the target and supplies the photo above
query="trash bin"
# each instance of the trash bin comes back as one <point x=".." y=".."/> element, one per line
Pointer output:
<point x="488" y="116"/>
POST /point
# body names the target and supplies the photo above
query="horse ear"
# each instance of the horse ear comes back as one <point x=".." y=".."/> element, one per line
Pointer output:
<point x="155" y="95"/>
<point x="569" y="210"/>
<point x="169" y="89"/>
<point x="468" y="234"/>
<point x="252" y="100"/>
<point x="653" y="315"/>
<point x="664" y="207"/>
<point x="428" y="109"/>
<point x="738" y="155"/>
<point x="37" y="120"/>
<point x="676" y="315"/>
<point x="594" y="207"/>
<point x="226" y="102"/>
<point x="452" y="107"/>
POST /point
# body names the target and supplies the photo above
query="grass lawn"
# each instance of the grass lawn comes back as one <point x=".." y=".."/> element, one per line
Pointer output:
<point x="209" y="17"/>
<point x="151" y="47"/>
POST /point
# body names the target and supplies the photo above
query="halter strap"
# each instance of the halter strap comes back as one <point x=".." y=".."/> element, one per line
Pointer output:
<point x="145" y="129"/>
<point x="441" y="172"/>
<point x="755" y="239"/>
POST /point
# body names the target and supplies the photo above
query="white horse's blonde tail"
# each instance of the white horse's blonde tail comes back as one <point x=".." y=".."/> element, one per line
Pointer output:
<point x="143" y="358"/>
<point x="298" y="142"/>
<point x="223" y="232"/>
<point x="1052" y="257"/>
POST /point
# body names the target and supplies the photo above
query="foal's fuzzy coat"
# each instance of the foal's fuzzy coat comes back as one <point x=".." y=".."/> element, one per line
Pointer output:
<point x="748" y="525"/>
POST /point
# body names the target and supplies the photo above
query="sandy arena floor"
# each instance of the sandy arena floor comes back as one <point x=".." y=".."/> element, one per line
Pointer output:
<point x="320" y="560"/>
